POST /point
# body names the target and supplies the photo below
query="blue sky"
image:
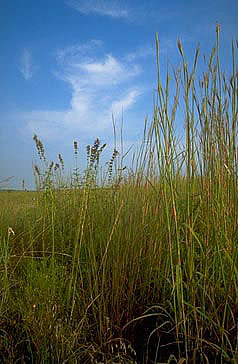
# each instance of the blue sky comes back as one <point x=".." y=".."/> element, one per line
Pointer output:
<point x="67" y="65"/>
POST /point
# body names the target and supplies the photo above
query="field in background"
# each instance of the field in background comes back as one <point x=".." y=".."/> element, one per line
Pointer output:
<point x="131" y="265"/>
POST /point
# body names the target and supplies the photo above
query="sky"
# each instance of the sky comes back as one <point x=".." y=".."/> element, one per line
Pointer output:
<point x="67" y="66"/>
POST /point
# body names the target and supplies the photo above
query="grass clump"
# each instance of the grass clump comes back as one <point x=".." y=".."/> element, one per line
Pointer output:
<point x="139" y="266"/>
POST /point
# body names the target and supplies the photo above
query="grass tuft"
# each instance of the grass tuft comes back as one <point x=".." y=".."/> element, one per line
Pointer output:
<point x="137" y="265"/>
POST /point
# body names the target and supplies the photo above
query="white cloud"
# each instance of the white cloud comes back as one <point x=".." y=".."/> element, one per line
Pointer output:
<point x="166" y="45"/>
<point x="74" y="53"/>
<point x="26" y="67"/>
<point x="106" y="72"/>
<point x="100" y="85"/>
<point x="110" y="8"/>
<point x="140" y="53"/>
<point x="125" y="102"/>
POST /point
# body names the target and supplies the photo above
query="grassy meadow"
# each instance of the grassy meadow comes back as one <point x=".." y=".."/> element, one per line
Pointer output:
<point x="133" y="264"/>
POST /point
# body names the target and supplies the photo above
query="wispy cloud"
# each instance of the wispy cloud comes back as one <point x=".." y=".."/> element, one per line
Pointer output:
<point x="26" y="66"/>
<point x="106" y="72"/>
<point x="100" y="84"/>
<point x="125" y="102"/>
<point x="110" y="8"/>
<point x="140" y="53"/>
<point x="167" y="45"/>
<point x="74" y="53"/>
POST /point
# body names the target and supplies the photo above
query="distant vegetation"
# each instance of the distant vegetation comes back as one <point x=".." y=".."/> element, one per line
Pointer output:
<point x="138" y="264"/>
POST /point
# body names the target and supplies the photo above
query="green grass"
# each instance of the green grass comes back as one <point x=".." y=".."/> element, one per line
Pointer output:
<point x="136" y="265"/>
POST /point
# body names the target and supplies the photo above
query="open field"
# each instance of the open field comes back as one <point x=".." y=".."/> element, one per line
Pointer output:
<point x="142" y="269"/>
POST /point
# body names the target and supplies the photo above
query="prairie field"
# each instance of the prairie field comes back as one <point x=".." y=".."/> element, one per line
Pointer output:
<point x="138" y="264"/>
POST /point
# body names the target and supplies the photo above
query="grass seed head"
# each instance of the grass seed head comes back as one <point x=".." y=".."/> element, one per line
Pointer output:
<point x="40" y="147"/>
<point x="218" y="29"/>
<point x="75" y="147"/>
<point x="37" y="170"/>
<point x="61" y="161"/>
<point x="180" y="47"/>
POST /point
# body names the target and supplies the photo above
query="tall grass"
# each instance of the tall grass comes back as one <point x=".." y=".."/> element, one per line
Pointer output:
<point x="139" y="266"/>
